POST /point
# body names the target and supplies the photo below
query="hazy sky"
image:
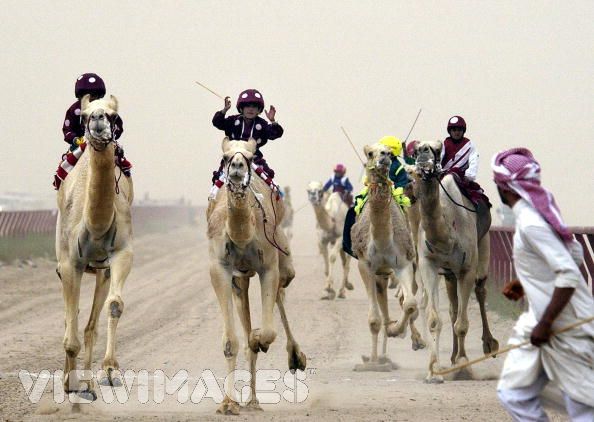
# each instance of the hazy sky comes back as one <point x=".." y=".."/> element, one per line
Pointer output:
<point x="521" y="73"/>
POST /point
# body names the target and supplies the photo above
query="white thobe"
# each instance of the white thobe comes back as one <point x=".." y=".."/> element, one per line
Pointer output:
<point x="542" y="263"/>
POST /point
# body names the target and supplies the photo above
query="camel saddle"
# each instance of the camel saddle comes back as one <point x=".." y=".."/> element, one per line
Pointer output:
<point x="473" y="191"/>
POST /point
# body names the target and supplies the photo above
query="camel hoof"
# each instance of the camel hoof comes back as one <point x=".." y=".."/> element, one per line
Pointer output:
<point x="260" y="341"/>
<point x="228" y="407"/>
<point x="383" y="359"/>
<point x="112" y="379"/>
<point x="490" y="346"/>
<point x="253" y="405"/>
<point x="395" y="329"/>
<point x="341" y="294"/>
<point x="349" y="285"/>
<point x="87" y="394"/>
<point x="330" y="294"/>
<point x="418" y="344"/>
<point x="464" y="374"/>
<point x="297" y="360"/>
<point x="433" y="379"/>
<point x="372" y="367"/>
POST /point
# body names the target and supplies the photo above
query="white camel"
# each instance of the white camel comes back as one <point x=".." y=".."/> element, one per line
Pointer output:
<point x="449" y="245"/>
<point x="94" y="234"/>
<point x="330" y="214"/>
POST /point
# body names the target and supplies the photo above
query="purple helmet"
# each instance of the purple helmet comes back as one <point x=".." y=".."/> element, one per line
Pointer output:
<point x="250" y="96"/>
<point x="89" y="83"/>
<point x="456" y="121"/>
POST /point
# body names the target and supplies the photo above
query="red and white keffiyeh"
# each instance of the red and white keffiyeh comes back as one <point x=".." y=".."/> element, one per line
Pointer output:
<point x="518" y="171"/>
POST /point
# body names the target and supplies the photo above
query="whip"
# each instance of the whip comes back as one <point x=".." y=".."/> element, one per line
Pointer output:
<point x="508" y="348"/>
<point x="209" y="90"/>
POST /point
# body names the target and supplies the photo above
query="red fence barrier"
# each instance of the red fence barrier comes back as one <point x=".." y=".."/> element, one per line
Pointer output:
<point x="501" y="267"/>
<point x="22" y="223"/>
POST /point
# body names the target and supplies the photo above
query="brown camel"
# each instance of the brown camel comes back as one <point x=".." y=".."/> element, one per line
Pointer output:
<point x="94" y="234"/>
<point x="245" y="238"/>
<point x="448" y="245"/>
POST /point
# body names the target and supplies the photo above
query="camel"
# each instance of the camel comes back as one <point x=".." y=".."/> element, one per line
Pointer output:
<point x="245" y="238"/>
<point x="330" y="214"/>
<point x="287" y="223"/>
<point x="448" y="245"/>
<point x="383" y="244"/>
<point x="94" y="234"/>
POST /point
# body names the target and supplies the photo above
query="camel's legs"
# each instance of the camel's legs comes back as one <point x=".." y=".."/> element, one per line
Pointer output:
<point x="71" y="277"/>
<point x="121" y="263"/>
<point x="221" y="280"/>
<point x="465" y="284"/>
<point x="345" y="259"/>
<point x="332" y="256"/>
<point x="405" y="276"/>
<point x="242" y="304"/>
<point x="323" y="246"/>
<point x="415" y="335"/>
<point x="269" y="281"/>
<point x="430" y="279"/>
<point x="373" y="316"/>
<point x="452" y="289"/>
<point x="490" y="344"/>
<point x="297" y="359"/>
<point x="101" y="290"/>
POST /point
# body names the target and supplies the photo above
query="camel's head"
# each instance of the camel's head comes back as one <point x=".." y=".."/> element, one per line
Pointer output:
<point x="428" y="155"/>
<point x="378" y="158"/>
<point x="315" y="193"/>
<point x="237" y="159"/>
<point x="98" y="118"/>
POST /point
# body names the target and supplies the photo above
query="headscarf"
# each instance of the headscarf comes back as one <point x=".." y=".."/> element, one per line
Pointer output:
<point x="517" y="170"/>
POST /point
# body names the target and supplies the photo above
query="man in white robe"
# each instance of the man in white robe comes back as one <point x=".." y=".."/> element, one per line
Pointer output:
<point x="546" y="259"/>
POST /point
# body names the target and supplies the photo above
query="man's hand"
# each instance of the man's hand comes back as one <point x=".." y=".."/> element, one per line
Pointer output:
<point x="513" y="290"/>
<point x="271" y="113"/>
<point x="227" y="104"/>
<point x="541" y="334"/>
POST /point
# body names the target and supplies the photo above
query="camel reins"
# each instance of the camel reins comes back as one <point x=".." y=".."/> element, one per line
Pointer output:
<point x="437" y="173"/>
<point x="247" y="184"/>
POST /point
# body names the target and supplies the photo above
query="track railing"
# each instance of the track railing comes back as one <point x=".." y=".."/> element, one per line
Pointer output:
<point x="501" y="267"/>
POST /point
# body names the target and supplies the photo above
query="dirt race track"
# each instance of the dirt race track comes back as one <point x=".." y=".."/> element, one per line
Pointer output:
<point x="172" y="322"/>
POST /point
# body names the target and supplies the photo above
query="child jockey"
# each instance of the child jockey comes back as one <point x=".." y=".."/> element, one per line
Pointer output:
<point x="246" y="125"/>
<point x="399" y="178"/>
<point x="74" y="132"/>
<point x="460" y="156"/>
<point x="341" y="184"/>
<point x="458" y="153"/>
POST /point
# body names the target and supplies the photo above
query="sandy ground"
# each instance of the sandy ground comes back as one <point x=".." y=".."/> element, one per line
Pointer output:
<point x="172" y="322"/>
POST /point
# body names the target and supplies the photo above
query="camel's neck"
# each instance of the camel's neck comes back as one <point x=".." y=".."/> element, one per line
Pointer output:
<point x="432" y="218"/>
<point x="99" y="206"/>
<point x="324" y="220"/>
<point x="380" y="217"/>
<point x="240" y="225"/>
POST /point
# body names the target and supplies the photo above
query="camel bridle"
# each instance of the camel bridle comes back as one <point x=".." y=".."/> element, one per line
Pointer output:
<point x="435" y="171"/>
<point x="101" y="144"/>
<point x="239" y="188"/>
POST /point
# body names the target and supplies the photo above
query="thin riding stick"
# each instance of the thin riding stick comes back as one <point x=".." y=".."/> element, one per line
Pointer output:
<point x="413" y="125"/>
<point x="210" y="90"/>
<point x="352" y="145"/>
<point x="300" y="208"/>
<point x="508" y="348"/>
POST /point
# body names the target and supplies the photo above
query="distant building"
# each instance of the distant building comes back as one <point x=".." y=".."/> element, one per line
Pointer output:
<point x="17" y="201"/>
